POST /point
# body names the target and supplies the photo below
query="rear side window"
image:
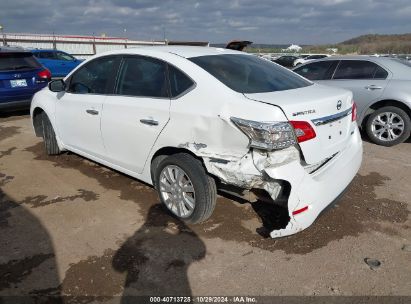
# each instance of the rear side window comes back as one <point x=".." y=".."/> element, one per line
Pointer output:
<point x="249" y="74"/>
<point x="142" y="76"/>
<point x="321" y="70"/>
<point x="18" y="62"/>
<point x="356" y="69"/>
<point x="94" y="77"/>
<point x="179" y="82"/>
<point x="45" y="55"/>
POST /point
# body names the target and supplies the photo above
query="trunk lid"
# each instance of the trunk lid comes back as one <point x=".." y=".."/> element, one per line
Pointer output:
<point x="327" y="109"/>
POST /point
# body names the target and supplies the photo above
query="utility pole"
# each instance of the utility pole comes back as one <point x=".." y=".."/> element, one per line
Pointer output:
<point x="2" y="34"/>
<point x="164" y="34"/>
<point x="94" y="44"/>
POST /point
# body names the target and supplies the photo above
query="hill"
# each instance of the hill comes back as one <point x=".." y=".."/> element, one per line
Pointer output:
<point x="369" y="44"/>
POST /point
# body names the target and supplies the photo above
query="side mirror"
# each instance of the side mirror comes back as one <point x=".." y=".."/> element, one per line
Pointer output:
<point x="57" y="85"/>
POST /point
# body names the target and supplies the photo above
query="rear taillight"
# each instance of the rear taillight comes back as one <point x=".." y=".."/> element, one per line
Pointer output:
<point x="354" y="111"/>
<point x="266" y="135"/>
<point x="44" y="74"/>
<point x="303" y="130"/>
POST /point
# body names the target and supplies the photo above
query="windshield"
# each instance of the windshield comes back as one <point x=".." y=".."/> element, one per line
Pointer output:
<point x="17" y="61"/>
<point x="250" y="74"/>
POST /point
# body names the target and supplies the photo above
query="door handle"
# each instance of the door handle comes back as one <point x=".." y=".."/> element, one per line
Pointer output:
<point x="92" y="112"/>
<point x="372" y="87"/>
<point x="150" y="122"/>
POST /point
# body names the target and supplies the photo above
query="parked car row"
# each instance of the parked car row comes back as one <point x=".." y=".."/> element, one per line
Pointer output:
<point x="25" y="72"/>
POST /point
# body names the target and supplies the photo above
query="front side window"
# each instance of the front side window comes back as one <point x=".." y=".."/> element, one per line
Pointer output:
<point x="355" y="69"/>
<point x="45" y="55"/>
<point x="64" y="56"/>
<point x="249" y="74"/>
<point x="142" y="76"/>
<point x="321" y="70"/>
<point x="316" y="57"/>
<point x="94" y="77"/>
<point x="179" y="82"/>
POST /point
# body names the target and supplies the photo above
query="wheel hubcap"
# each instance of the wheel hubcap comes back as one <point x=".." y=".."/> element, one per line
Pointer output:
<point x="177" y="191"/>
<point x="387" y="126"/>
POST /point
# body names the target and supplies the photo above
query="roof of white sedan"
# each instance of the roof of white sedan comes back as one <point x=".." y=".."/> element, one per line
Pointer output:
<point x="183" y="51"/>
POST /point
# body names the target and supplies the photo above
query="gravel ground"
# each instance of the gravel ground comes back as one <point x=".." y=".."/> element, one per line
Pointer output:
<point x="72" y="227"/>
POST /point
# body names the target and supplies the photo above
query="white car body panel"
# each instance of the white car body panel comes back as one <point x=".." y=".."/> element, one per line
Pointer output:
<point x="199" y="122"/>
<point x="80" y="130"/>
<point x="121" y="127"/>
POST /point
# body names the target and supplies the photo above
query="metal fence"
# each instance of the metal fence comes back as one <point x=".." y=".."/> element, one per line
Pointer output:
<point x="79" y="46"/>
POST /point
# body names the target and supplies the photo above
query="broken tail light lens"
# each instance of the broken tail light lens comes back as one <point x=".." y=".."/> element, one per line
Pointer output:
<point x="354" y="111"/>
<point x="267" y="135"/>
<point x="303" y="130"/>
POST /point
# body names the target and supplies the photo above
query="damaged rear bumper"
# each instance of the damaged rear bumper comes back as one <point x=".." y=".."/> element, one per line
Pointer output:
<point x="320" y="189"/>
<point x="310" y="192"/>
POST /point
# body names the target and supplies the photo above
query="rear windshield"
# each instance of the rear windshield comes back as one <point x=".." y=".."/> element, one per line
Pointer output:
<point x="250" y="74"/>
<point x="17" y="61"/>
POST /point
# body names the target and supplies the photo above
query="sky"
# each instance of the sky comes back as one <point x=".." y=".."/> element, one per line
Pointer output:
<point x="216" y="21"/>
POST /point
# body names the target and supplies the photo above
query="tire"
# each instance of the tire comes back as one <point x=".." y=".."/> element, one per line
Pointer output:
<point x="49" y="137"/>
<point x="204" y="194"/>
<point x="388" y="126"/>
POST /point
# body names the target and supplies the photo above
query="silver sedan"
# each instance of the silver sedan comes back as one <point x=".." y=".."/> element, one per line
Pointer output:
<point x="381" y="88"/>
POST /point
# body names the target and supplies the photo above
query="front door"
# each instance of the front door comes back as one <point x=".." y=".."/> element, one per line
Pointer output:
<point x="79" y="109"/>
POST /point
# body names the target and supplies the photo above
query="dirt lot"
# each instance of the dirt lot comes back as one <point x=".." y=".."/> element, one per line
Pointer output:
<point x="70" y="226"/>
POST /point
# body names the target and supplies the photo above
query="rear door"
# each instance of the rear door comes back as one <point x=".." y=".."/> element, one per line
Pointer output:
<point x="79" y="109"/>
<point x="134" y="116"/>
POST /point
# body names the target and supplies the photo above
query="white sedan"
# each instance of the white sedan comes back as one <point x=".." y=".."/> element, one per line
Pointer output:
<point x="309" y="58"/>
<point x="189" y="119"/>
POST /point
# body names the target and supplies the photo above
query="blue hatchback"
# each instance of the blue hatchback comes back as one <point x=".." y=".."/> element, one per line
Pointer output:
<point x="59" y="63"/>
<point x="21" y="75"/>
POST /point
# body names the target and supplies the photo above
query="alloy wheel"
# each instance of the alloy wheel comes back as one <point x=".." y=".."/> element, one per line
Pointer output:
<point x="387" y="126"/>
<point x="177" y="191"/>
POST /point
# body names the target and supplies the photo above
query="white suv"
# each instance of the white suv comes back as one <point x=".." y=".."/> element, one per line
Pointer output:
<point x="189" y="119"/>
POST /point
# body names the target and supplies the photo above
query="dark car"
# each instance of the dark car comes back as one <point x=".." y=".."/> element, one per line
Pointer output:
<point x="58" y="62"/>
<point x="21" y="75"/>
<point x="286" y="61"/>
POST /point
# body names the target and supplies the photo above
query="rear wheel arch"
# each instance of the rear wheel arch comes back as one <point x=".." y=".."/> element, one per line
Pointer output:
<point x="164" y="152"/>
<point x="172" y="192"/>
<point x="384" y="103"/>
